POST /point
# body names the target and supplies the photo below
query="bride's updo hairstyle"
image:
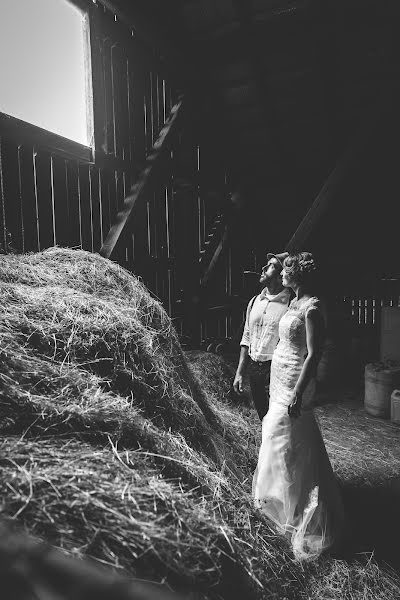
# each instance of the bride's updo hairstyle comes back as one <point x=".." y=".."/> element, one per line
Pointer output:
<point x="302" y="268"/>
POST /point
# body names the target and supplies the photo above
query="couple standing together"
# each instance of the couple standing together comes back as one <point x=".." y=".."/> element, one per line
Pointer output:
<point x="282" y="341"/>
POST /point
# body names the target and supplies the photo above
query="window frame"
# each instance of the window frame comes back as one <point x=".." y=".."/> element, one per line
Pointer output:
<point x="23" y="132"/>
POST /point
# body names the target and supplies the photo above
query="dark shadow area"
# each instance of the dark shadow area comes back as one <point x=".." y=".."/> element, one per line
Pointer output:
<point x="373" y="523"/>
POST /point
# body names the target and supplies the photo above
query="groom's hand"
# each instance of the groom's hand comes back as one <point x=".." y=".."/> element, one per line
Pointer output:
<point x="238" y="384"/>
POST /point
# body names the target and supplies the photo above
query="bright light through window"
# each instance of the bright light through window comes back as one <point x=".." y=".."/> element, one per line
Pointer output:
<point x="42" y="66"/>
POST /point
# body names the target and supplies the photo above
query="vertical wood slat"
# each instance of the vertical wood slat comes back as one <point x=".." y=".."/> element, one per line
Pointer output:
<point x="151" y="225"/>
<point x="117" y="93"/>
<point x="158" y="218"/>
<point x="95" y="193"/>
<point x="20" y="199"/>
<point x="108" y="96"/>
<point x="97" y="74"/>
<point x="3" y="226"/>
<point x="44" y="198"/>
<point x="112" y="195"/>
<point x="74" y="224"/>
<point x="28" y="199"/>
<point x="119" y="200"/>
<point x="200" y="204"/>
<point x="160" y="100"/>
<point x="104" y="177"/>
<point x="124" y="108"/>
<point x="85" y="207"/>
<point x="127" y="234"/>
<point x="131" y="105"/>
<point x="123" y="40"/>
<point x="169" y="216"/>
<point x="119" y="189"/>
<point x="136" y="113"/>
<point x="165" y="110"/>
<point x="154" y="106"/>
<point x="148" y="116"/>
<point x="60" y="195"/>
<point x="12" y="209"/>
<point x="167" y="98"/>
<point x="161" y="223"/>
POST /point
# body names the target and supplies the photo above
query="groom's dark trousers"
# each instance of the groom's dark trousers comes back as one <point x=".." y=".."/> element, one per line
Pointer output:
<point x="259" y="374"/>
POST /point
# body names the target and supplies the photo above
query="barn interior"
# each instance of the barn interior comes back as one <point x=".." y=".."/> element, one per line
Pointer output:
<point x="215" y="131"/>
<point x="220" y="131"/>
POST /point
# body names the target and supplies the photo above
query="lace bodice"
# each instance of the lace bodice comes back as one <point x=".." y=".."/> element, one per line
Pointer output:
<point x="290" y="353"/>
<point x="292" y="327"/>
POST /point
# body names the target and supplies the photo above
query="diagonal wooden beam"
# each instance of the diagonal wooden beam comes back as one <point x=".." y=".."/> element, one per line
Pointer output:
<point x="326" y="196"/>
<point x="235" y="210"/>
<point x="217" y="252"/>
<point x="331" y="188"/>
<point x="145" y="180"/>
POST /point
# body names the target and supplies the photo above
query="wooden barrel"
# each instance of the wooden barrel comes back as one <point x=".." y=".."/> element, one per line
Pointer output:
<point x="380" y="381"/>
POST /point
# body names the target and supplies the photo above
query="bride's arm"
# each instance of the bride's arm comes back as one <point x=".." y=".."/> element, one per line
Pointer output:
<point x="314" y="337"/>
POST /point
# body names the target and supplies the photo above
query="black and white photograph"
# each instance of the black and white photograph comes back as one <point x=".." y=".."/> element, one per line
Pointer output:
<point x="199" y="299"/>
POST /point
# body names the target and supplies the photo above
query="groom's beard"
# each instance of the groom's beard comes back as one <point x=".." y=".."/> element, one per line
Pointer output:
<point x="267" y="280"/>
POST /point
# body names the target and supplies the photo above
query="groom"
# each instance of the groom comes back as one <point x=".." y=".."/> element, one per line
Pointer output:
<point x="260" y="334"/>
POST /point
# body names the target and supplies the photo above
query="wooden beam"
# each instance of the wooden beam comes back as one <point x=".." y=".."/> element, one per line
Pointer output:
<point x="22" y="132"/>
<point x="96" y="80"/>
<point x="331" y="188"/>
<point x="145" y="180"/>
<point x="217" y="252"/>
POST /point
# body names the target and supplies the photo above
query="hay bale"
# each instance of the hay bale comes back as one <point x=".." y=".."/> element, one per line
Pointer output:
<point x="77" y="325"/>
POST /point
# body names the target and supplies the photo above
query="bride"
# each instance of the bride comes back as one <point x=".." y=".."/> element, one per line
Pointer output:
<point x="294" y="484"/>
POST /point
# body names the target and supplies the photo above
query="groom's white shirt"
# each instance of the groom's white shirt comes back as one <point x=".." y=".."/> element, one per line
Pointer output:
<point x="261" y="332"/>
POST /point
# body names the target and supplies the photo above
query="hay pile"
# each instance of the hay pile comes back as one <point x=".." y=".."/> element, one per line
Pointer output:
<point x="110" y="447"/>
<point x="94" y="330"/>
<point x="113" y="446"/>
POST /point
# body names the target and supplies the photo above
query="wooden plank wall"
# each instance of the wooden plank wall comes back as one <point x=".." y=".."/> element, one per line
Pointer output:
<point x="50" y="197"/>
<point x="55" y="192"/>
<point x="363" y="310"/>
<point x="355" y="310"/>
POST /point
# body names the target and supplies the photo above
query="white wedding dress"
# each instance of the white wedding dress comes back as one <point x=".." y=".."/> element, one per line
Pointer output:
<point x="294" y="484"/>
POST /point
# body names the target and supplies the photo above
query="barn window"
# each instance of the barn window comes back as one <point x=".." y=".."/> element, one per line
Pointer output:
<point x="43" y="66"/>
